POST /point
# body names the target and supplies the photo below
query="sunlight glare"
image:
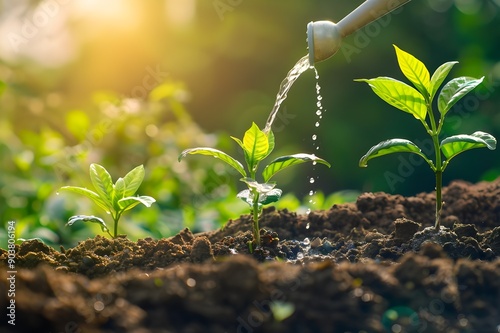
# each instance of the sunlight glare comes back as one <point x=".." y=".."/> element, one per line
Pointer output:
<point x="117" y="13"/>
<point x="180" y="12"/>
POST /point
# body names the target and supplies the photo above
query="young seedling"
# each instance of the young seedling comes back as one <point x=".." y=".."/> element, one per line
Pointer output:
<point x="115" y="198"/>
<point x="257" y="145"/>
<point x="419" y="103"/>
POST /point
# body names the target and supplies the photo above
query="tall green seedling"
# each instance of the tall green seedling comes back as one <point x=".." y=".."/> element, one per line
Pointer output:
<point x="419" y="102"/>
<point x="115" y="198"/>
<point x="257" y="145"/>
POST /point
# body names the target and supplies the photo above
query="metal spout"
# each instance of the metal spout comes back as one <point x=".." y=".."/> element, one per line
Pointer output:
<point x="324" y="37"/>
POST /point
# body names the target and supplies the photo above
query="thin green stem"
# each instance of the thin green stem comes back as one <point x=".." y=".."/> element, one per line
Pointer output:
<point x="427" y="129"/>
<point x="255" y="212"/>
<point x="441" y="122"/>
<point x="439" y="201"/>
<point x="439" y="166"/>
<point x="255" y="207"/>
<point x="116" y="218"/>
<point x="110" y="235"/>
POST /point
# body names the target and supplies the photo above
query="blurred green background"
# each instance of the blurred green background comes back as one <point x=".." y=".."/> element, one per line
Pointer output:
<point x="123" y="83"/>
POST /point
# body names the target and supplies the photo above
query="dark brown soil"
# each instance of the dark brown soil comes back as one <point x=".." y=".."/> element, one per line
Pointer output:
<point x="376" y="265"/>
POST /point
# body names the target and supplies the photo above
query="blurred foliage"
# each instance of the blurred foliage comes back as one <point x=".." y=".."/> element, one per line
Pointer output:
<point x="126" y="132"/>
<point x="129" y="82"/>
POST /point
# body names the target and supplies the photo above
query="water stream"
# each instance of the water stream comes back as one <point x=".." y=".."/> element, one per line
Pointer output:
<point x="300" y="67"/>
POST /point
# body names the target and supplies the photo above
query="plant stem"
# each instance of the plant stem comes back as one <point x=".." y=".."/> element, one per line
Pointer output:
<point x="255" y="211"/>
<point x="115" y="229"/>
<point x="439" y="179"/>
<point x="439" y="201"/>
<point x="439" y="166"/>
<point x="255" y="207"/>
<point x="110" y="235"/>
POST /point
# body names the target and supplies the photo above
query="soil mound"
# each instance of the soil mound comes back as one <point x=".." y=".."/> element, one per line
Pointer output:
<point x="376" y="265"/>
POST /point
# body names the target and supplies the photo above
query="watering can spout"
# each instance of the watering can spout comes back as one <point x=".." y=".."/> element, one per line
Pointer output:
<point x="324" y="37"/>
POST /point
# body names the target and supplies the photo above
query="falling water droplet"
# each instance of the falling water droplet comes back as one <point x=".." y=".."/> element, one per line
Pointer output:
<point x="191" y="282"/>
<point x="319" y="114"/>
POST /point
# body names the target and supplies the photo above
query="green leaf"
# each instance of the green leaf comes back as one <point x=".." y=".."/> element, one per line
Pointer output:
<point x="389" y="147"/>
<point x="239" y="142"/>
<point x="281" y="310"/>
<point x="439" y="76"/>
<point x="130" y="202"/>
<point x="400" y="95"/>
<point x="217" y="154"/>
<point x="91" y="195"/>
<point x="102" y="182"/>
<point x="414" y="70"/>
<point x="270" y="140"/>
<point x="133" y="180"/>
<point x="246" y="196"/>
<point x="247" y="157"/>
<point x="118" y="192"/>
<point x="256" y="145"/>
<point x="454" y="145"/>
<point x="283" y="162"/>
<point x="271" y="196"/>
<point x="454" y="90"/>
<point x="85" y="218"/>
<point x="268" y="197"/>
<point x="3" y="86"/>
<point x="259" y="187"/>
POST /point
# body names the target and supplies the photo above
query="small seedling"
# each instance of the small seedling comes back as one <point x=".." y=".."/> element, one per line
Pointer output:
<point x="419" y="103"/>
<point x="257" y="145"/>
<point x="115" y="198"/>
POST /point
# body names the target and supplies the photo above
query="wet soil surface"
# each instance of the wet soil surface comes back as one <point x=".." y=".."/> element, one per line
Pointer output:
<point x="376" y="265"/>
